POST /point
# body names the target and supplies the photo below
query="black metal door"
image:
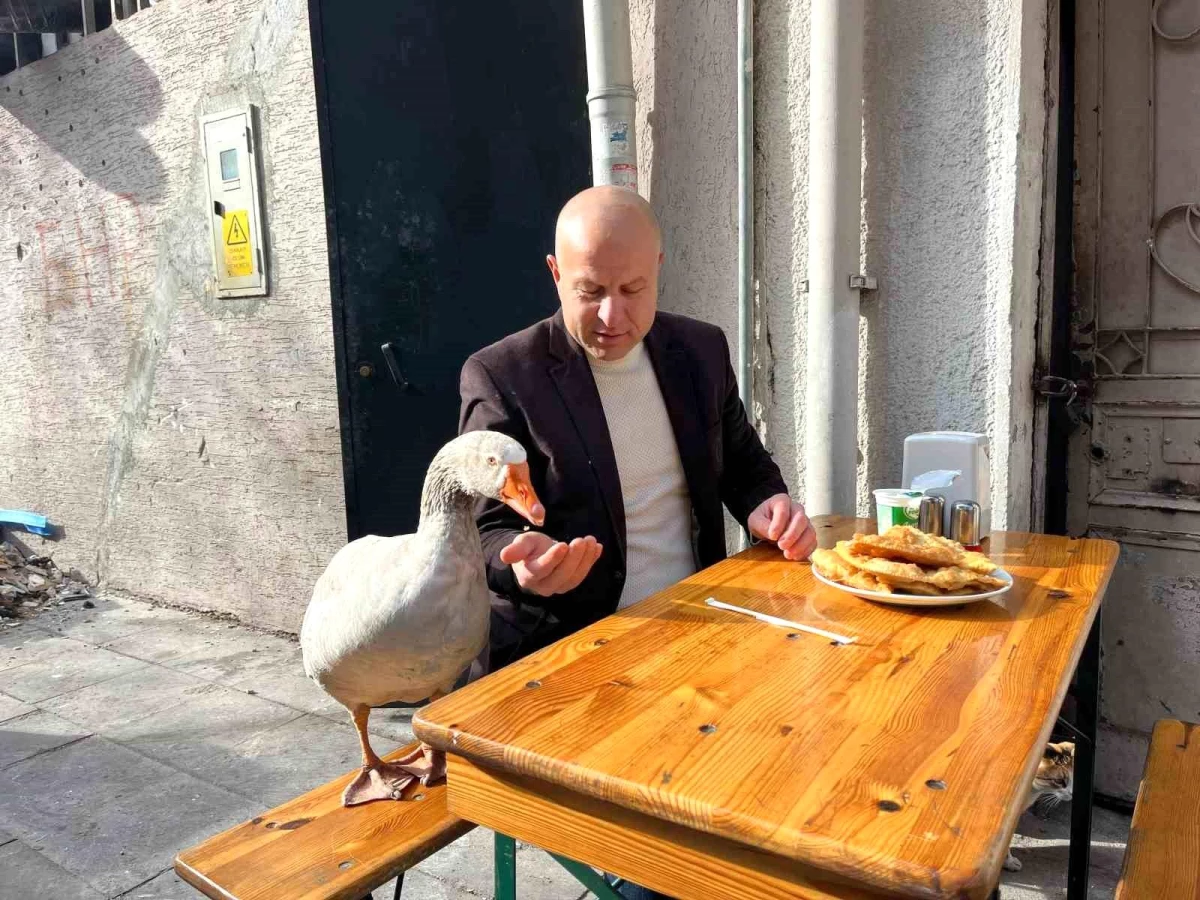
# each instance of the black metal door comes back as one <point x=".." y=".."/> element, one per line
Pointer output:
<point x="452" y="132"/>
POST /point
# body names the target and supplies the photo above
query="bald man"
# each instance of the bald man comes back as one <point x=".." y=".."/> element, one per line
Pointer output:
<point x="635" y="432"/>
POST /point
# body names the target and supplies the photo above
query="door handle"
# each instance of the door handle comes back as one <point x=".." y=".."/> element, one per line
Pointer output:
<point x="1057" y="387"/>
<point x="393" y="364"/>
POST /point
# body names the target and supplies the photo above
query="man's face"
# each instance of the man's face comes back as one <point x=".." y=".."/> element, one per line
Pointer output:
<point x="607" y="278"/>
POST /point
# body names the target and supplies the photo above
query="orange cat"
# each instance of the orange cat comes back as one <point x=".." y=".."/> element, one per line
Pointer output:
<point x="1051" y="785"/>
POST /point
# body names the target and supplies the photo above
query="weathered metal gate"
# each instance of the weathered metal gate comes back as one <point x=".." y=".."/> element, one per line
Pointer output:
<point x="1134" y="460"/>
<point x="451" y="133"/>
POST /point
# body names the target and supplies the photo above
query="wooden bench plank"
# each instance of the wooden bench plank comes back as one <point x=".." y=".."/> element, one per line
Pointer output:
<point x="1163" y="855"/>
<point x="313" y="848"/>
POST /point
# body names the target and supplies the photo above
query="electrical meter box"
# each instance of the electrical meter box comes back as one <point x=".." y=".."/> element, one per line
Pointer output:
<point x="231" y="151"/>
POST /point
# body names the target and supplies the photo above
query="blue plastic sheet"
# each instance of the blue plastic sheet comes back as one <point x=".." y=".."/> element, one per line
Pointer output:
<point x="26" y="521"/>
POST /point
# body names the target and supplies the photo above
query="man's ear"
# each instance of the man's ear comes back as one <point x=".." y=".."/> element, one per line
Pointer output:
<point x="552" y="264"/>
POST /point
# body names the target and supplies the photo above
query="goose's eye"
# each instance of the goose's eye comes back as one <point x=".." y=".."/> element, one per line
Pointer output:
<point x="492" y="460"/>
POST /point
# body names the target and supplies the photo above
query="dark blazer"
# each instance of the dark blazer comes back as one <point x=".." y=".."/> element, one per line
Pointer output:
<point x="536" y="386"/>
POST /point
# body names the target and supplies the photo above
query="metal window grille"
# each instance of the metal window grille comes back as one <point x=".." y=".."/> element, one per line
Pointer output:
<point x="33" y="29"/>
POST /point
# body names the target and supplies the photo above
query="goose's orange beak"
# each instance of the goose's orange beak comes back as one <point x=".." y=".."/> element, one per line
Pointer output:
<point x="518" y="493"/>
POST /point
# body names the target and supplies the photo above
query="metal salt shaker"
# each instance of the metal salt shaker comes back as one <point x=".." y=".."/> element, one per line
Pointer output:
<point x="964" y="523"/>
<point x="929" y="516"/>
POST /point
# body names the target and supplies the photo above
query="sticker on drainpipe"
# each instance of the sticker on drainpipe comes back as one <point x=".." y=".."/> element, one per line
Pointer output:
<point x="624" y="175"/>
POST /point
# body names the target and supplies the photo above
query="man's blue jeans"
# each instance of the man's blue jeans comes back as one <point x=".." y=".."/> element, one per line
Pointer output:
<point x="634" y="891"/>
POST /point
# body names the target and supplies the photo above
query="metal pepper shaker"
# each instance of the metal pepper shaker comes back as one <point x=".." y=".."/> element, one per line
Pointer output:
<point x="964" y="523"/>
<point x="930" y="514"/>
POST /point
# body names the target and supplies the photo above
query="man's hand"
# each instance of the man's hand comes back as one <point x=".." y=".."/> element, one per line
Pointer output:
<point x="545" y="567"/>
<point x="782" y="520"/>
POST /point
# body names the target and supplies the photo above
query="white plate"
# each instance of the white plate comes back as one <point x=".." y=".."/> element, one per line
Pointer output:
<point x="915" y="599"/>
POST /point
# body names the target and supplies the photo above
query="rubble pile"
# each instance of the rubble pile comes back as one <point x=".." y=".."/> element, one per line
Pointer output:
<point x="28" y="585"/>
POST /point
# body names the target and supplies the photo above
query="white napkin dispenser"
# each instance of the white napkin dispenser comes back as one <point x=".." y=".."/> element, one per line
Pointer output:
<point x="961" y="451"/>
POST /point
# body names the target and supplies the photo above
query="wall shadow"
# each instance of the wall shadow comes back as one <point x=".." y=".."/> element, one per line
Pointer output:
<point x="68" y="99"/>
<point x="781" y="228"/>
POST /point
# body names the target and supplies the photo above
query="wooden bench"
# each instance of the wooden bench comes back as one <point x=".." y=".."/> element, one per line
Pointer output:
<point x="313" y="848"/>
<point x="1162" y="859"/>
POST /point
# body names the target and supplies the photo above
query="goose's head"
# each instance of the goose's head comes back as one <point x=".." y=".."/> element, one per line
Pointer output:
<point x="490" y="464"/>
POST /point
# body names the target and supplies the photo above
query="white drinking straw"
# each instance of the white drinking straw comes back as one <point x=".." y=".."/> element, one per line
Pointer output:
<point x="782" y="623"/>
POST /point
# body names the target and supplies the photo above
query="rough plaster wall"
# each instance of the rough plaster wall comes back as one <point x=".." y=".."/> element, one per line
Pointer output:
<point x="953" y="129"/>
<point x="953" y="133"/>
<point x="188" y="445"/>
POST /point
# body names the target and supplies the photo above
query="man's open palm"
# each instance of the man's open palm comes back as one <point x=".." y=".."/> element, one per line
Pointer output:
<point x="545" y="567"/>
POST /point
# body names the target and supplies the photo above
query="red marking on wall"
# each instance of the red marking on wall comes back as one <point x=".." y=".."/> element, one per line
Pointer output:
<point x="93" y="258"/>
<point x="85" y="252"/>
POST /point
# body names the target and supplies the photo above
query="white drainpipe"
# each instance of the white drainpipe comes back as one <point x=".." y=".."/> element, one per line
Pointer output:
<point x="611" y="98"/>
<point x="745" y="145"/>
<point x="834" y="220"/>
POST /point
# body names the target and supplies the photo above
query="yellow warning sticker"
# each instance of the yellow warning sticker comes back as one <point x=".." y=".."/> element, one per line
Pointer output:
<point x="239" y="259"/>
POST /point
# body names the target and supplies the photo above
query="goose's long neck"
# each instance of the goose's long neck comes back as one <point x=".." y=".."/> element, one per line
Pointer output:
<point x="446" y="509"/>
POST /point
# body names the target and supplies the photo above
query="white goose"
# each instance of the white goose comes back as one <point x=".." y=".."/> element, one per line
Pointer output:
<point x="400" y="618"/>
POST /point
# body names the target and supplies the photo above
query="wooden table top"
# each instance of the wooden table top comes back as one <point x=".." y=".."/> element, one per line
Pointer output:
<point x="899" y="762"/>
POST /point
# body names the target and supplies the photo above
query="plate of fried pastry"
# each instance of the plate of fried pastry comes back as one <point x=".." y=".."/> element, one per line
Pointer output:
<point x="906" y="566"/>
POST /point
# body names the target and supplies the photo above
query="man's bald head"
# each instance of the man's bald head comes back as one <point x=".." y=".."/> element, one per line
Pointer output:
<point x="607" y="251"/>
<point x="606" y="212"/>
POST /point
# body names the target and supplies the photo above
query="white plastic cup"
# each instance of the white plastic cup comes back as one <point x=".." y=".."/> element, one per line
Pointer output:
<point x="894" y="506"/>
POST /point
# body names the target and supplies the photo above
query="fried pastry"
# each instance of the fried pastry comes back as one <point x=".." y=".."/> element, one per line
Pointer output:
<point x="830" y="565"/>
<point x="903" y="542"/>
<point x="905" y="560"/>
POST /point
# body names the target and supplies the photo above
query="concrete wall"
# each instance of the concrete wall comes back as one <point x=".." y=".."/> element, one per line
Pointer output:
<point x="953" y="130"/>
<point x="188" y="445"/>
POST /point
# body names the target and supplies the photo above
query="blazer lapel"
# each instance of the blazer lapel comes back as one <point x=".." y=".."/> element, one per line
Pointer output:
<point x="673" y="369"/>
<point x="572" y="377"/>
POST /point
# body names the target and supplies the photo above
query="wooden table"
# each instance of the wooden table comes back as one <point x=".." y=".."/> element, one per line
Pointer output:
<point x="704" y="754"/>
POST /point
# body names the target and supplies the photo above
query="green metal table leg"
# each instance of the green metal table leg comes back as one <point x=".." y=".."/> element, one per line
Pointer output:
<point x="589" y="878"/>
<point x="506" y="867"/>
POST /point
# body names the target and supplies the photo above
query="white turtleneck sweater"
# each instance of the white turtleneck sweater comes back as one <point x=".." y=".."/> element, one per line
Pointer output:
<point x="658" y="510"/>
